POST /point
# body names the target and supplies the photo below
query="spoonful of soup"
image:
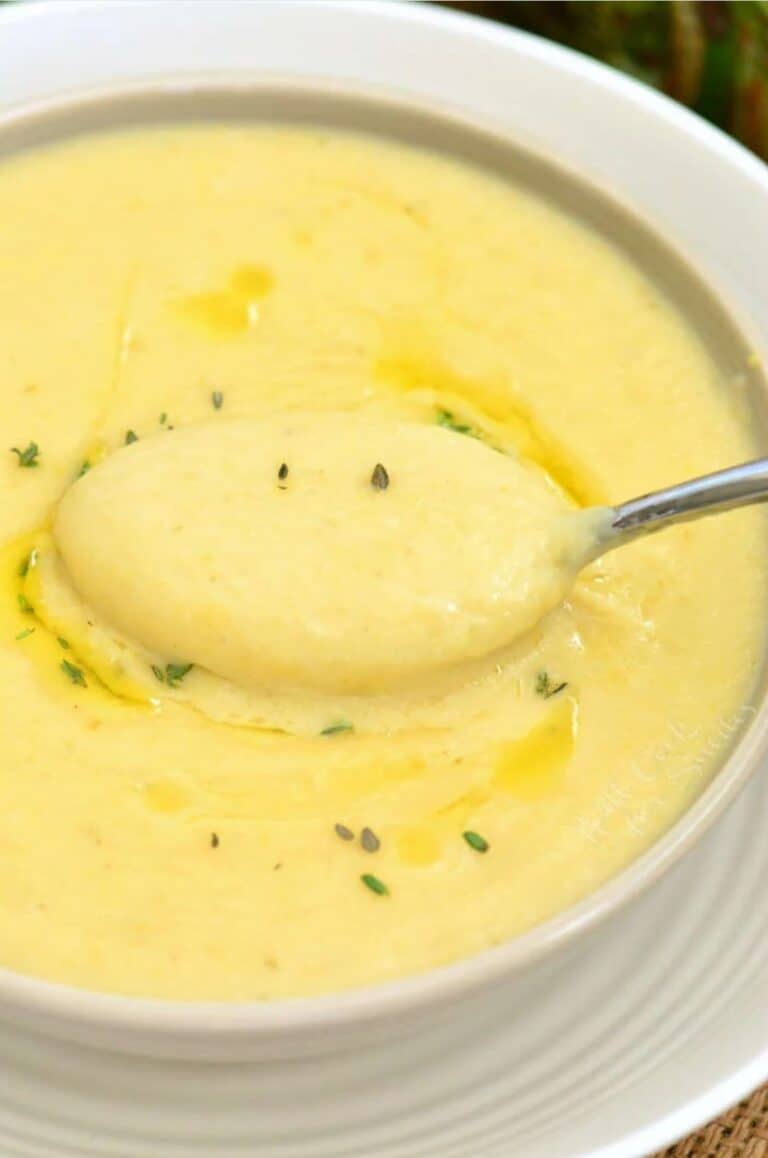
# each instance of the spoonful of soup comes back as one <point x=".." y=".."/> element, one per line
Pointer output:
<point x="338" y="552"/>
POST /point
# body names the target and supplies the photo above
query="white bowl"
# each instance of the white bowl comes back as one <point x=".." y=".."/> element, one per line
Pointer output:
<point x="615" y="1041"/>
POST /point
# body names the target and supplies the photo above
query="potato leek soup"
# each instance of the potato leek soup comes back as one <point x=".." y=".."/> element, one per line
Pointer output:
<point x="301" y="689"/>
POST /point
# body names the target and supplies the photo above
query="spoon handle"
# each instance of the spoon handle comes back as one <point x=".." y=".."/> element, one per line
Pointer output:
<point x="737" y="486"/>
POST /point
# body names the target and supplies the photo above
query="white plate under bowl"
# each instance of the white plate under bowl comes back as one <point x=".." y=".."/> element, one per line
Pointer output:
<point x="659" y="1019"/>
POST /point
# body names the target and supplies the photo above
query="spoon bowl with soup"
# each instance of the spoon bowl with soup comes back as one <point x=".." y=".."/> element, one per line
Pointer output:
<point x="340" y="554"/>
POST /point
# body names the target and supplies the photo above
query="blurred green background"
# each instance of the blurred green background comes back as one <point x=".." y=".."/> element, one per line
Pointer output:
<point x="710" y="54"/>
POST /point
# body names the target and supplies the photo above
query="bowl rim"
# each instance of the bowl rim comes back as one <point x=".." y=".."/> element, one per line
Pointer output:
<point x="415" y="993"/>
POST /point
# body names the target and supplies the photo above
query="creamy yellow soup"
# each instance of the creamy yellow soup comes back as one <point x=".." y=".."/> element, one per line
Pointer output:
<point x="301" y="686"/>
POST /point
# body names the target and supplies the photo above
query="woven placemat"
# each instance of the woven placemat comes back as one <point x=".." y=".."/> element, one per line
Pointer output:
<point x="741" y="1133"/>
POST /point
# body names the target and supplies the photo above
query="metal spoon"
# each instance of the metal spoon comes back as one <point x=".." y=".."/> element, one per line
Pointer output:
<point x="738" y="486"/>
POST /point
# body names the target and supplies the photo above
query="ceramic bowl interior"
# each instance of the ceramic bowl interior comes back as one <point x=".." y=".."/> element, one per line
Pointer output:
<point x="347" y="108"/>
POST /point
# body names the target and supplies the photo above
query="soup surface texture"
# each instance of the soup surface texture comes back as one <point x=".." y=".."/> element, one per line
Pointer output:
<point x="298" y="690"/>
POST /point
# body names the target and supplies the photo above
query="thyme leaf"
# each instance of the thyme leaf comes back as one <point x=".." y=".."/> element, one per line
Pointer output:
<point x="380" y="477"/>
<point x="337" y="728"/>
<point x="374" y="884"/>
<point x="547" y="687"/>
<point x="476" y="841"/>
<point x="73" y="672"/>
<point x="28" y="456"/>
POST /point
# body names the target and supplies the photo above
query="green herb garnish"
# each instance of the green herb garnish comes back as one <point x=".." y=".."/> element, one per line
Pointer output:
<point x="163" y="418"/>
<point x="62" y="642"/>
<point x="449" y="420"/>
<point x="84" y="468"/>
<point x="217" y="398"/>
<point x="380" y="477"/>
<point x="74" y="673"/>
<point x="24" y="634"/>
<point x="476" y="841"/>
<point x="337" y="728"/>
<point x="24" y="566"/>
<point x="546" y="687"/>
<point x="172" y="674"/>
<point x="131" y="436"/>
<point x="24" y="605"/>
<point x="374" y="884"/>
<point x="28" y="456"/>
